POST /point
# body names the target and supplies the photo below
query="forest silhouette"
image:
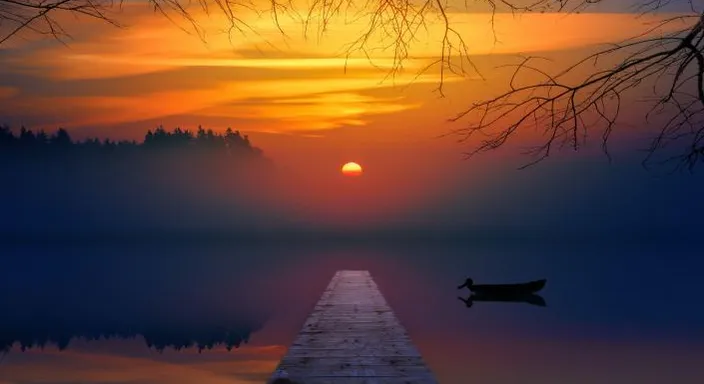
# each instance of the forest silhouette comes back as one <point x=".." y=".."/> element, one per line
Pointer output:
<point x="159" y="336"/>
<point x="28" y="143"/>
<point x="59" y="295"/>
<point x="172" y="180"/>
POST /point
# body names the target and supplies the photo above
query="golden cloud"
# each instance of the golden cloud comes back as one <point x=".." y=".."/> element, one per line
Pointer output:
<point x="7" y="92"/>
<point x="152" y="44"/>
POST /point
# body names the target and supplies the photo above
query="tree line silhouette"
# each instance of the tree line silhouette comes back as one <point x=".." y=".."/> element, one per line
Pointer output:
<point x="169" y="180"/>
<point x="200" y="337"/>
<point x="27" y="142"/>
<point x="167" y="296"/>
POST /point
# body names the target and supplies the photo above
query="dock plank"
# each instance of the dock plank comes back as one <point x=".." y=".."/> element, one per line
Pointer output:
<point x="353" y="337"/>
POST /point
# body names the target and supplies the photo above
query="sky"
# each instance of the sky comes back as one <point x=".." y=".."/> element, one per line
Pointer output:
<point x="118" y="82"/>
<point x="311" y="109"/>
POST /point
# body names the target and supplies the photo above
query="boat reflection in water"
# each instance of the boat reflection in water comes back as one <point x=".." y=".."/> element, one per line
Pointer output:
<point x="529" y="298"/>
<point x="515" y="293"/>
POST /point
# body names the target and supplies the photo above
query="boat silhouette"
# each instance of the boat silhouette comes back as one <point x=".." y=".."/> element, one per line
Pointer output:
<point x="519" y="289"/>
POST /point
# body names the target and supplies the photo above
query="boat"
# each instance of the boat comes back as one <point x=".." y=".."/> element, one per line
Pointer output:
<point x="518" y="289"/>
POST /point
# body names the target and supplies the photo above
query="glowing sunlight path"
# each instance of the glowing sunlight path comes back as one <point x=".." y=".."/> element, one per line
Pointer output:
<point x="353" y="336"/>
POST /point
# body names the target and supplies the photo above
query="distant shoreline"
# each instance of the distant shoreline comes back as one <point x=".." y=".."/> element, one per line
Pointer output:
<point x="341" y="237"/>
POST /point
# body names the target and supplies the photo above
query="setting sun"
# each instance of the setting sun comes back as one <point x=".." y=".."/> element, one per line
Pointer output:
<point x="352" y="169"/>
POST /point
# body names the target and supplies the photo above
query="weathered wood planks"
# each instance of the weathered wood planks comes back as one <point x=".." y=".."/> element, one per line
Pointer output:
<point x="353" y="337"/>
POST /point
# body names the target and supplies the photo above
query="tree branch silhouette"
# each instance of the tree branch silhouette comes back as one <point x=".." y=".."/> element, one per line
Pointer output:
<point x="39" y="16"/>
<point x="566" y="110"/>
<point x="391" y="25"/>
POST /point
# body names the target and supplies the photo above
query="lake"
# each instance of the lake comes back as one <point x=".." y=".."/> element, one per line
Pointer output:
<point x="617" y="312"/>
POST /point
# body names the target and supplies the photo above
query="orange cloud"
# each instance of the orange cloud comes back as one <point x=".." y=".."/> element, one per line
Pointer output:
<point x="214" y="102"/>
<point x="7" y="92"/>
<point x="153" y="44"/>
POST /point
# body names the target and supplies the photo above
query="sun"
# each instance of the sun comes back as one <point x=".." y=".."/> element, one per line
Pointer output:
<point x="352" y="169"/>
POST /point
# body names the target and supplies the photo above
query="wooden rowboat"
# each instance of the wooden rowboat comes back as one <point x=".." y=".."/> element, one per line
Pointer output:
<point x="504" y="289"/>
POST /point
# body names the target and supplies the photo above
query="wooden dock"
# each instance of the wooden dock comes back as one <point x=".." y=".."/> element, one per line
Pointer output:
<point x="353" y="336"/>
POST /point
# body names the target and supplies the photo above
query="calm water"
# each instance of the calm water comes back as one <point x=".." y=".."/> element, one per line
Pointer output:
<point x="615" y="313"/>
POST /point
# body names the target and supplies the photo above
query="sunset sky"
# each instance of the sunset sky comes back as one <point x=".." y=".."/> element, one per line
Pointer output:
<point x="299" y="98"/>
<point x="119" y="82"/>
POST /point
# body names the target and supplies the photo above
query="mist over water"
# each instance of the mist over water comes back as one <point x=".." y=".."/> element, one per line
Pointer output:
<point x="113" y="262"/>
<point x="167" y="196"/>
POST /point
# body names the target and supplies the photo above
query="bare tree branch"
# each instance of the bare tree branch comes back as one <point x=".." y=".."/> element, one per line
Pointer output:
<point x="562" y="107"/>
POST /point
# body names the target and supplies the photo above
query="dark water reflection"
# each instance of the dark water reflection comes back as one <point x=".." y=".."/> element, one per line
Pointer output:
<point x="615" y="314"/>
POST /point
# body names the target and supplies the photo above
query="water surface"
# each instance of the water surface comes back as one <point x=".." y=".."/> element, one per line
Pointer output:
<point x="223" y="313"/>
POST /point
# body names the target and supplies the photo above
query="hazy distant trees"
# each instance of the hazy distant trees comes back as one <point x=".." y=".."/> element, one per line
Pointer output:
<point x="28" y="143"/>
<point x="171" y="181"/>
<point x="231" y="141"/>
<point x="178" y="338"/>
